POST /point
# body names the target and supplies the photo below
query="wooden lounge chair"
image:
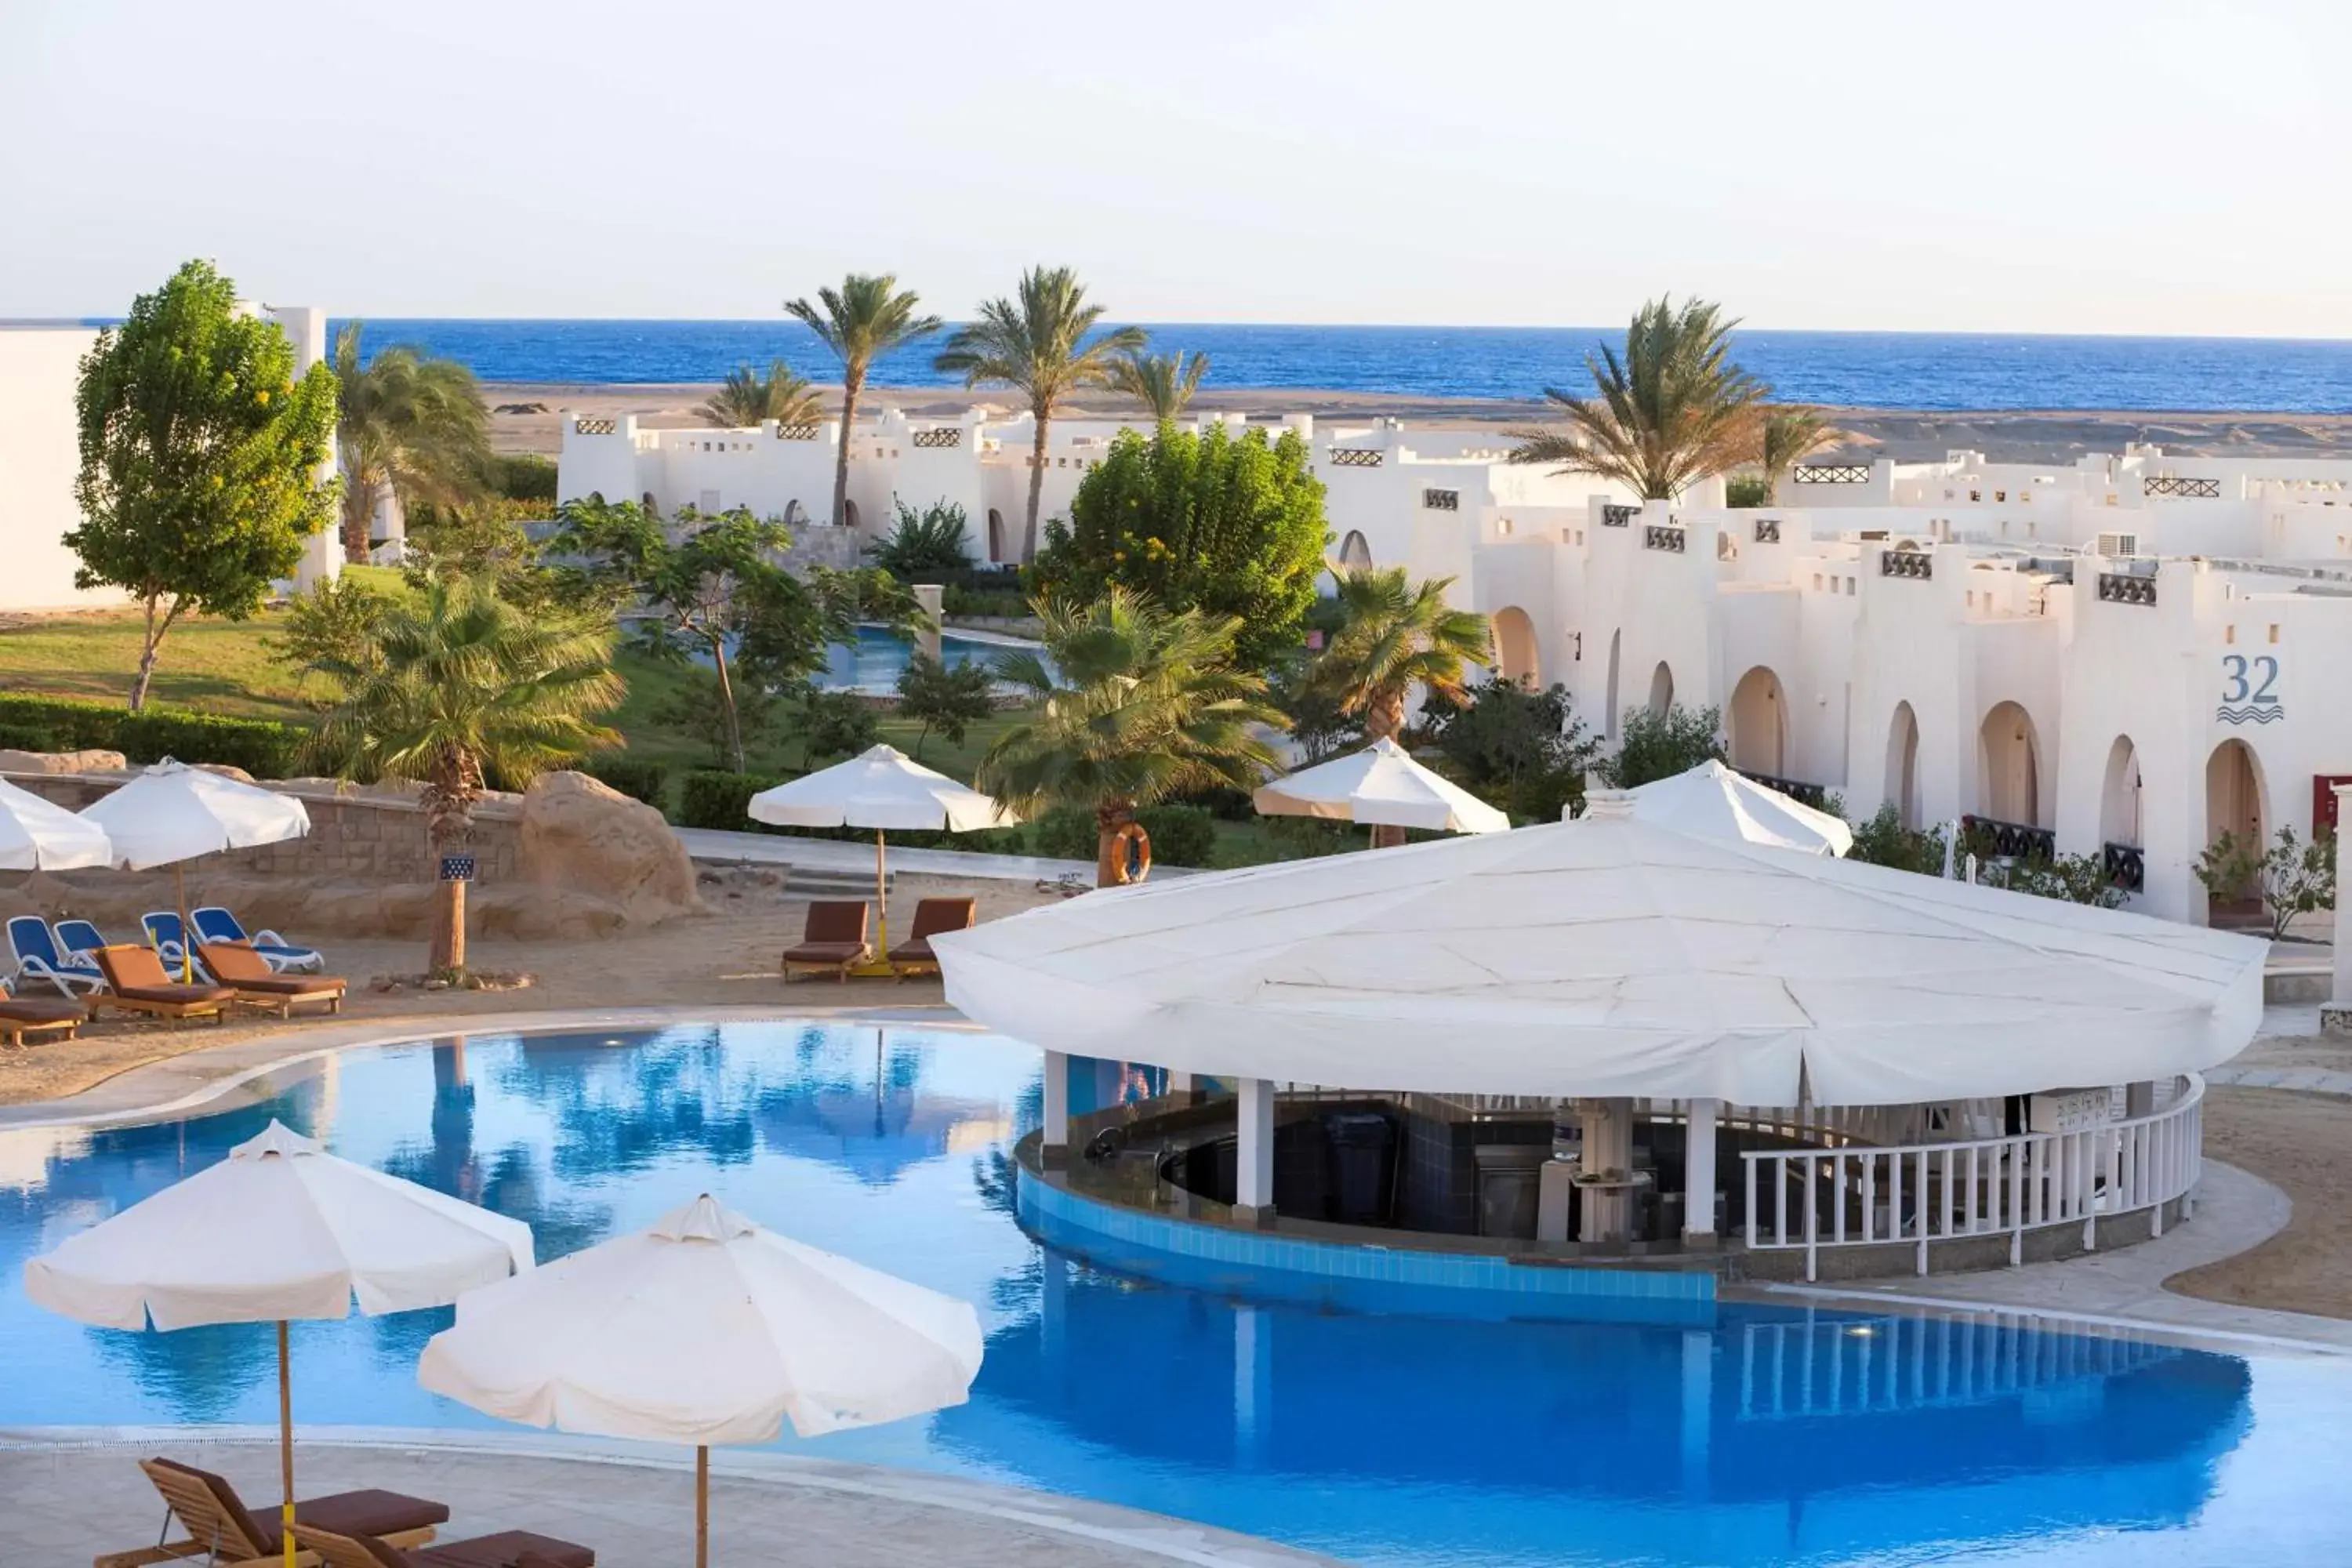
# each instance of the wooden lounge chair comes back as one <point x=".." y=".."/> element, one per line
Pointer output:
<point x="248" y="975"/>
<point x="222" y="1531"/>
<point x="20" y="1016"/>
<point x="932" y="916"/>
<point x="508" y="1548"/>
<point x="835" y="938"/>
<point x="136" y="983"/>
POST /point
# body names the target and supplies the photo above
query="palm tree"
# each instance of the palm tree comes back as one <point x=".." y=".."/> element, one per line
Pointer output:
<point x="1789" y="436"/>
<point x="746" y="397"/>
<point x="1161" y="382"/>
<point x="1133" y="704"/>
<point x="463" y="685"/>
<point x="867" y="317"/>
<point x="1670" y="410"/>
<point x="409" y="420"/>
<point x="1036" y="343"/>
<point x="1397" y="634"/>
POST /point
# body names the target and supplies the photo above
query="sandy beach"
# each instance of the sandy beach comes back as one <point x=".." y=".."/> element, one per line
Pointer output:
<point x="524" y="418"/>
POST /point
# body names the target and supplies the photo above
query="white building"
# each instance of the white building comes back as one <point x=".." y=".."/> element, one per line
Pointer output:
<point x="2122" y="657"/>
<point x="40" y="455"/>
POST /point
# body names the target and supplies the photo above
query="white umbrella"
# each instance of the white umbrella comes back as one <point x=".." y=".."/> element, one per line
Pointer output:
<point x="1712" y="801"/>
<point x="880" y="788"/>
<point x="705" y="1328"/>
<point x="37" y="834"/>
<point x="172" y="812"/>
<point x="1604" y="957"/>
<point x="280" y="1229"/>
<point x="1380" y="786"/>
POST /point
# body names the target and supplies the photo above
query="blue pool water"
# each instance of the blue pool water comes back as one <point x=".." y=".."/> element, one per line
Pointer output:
<point x="874" y="662"/>
<point x="1894" y="370"/>
<point x="1777" y="1437"/>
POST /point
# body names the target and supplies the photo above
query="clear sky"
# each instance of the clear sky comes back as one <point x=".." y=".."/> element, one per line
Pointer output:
<point x="2061" y="165"/>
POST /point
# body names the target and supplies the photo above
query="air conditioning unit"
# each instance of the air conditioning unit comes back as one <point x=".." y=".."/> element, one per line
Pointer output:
<point x="2115" y="544"/>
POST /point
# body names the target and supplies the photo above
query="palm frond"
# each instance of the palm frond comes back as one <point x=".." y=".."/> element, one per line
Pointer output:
<point x="1163" y="383"/>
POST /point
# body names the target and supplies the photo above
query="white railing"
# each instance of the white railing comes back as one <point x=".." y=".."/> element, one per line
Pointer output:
<point x="1837" y="1365"/>
<point x="1859" y="1196"/>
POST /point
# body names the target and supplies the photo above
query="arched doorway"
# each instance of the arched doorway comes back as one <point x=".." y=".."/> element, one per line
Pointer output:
<point x="849" y="512"/>
<point x="996" y="535"/>
<point x="1515" y="646"/>
<point x="1662" y="688"/>
<point x="2008" y="760"/>
<point x="2234" y="798"/>
<point x="1355" y="551"/>
<point x="1902" y="764"/>
<point x="1758" y="724"/>
<point x="795" y="515"/>
<point x="2119" y="819"/>
<point x="1608" y="718"/>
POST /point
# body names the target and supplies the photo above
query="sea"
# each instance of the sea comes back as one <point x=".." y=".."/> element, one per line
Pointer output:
<point x="1886" y="370"/>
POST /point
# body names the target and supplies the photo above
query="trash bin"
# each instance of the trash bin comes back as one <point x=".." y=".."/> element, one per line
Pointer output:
<point x="1363" y="1165"/>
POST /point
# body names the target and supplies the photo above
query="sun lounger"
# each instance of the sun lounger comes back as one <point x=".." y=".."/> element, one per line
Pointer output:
<point x="508" y="1548"/>
<point x="168" y="937"/>
<point x="215" y="923"/>
<point x="136" y="983"/>
<point x="834" y="939"/>
<point x="932" y="916"/>
<point x="244" y="972"/>
<point x="39" y="960"/>
<point x="24" y="1015"/>
<point x="222" y="1531"/>
<point x="77" y="940"/>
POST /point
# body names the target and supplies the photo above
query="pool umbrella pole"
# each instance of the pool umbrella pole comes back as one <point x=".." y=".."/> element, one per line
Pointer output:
<point x="286" y="1441"/>
<point x="702" y="1506"/>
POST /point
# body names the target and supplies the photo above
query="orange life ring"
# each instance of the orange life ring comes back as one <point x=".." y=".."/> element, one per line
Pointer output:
<point x="1130" y="834"/>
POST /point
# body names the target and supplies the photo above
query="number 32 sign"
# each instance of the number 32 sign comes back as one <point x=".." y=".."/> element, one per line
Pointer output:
<point x="2248" y="689"/>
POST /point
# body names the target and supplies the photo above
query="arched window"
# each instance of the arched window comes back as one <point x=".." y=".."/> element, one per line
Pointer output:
<point x="1514" y="648"/>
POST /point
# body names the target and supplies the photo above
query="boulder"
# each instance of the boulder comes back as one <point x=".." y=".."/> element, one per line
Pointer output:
<point x="62" y="762"/>
<point x="580" y="837"/>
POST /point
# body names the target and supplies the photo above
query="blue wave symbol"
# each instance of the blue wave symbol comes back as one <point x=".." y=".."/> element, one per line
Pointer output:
<point x="2252" y="714"/>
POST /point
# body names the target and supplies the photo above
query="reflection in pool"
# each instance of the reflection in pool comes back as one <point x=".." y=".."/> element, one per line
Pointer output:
<point x="1779" y="1436"/>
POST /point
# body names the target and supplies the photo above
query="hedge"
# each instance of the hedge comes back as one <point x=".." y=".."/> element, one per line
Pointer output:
<point x="262" y="747"/>
<point x="636" y="779"/>
<point x="1181" y="835"/>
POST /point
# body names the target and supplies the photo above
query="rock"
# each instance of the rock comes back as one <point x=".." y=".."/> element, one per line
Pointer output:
<point x="62" y="762"/>
<point x="581" y="838"/>
<point x="225" y="770"/>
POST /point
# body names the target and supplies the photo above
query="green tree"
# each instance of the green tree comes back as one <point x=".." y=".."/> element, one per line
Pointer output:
<point x="2291" y="877"/>
<point x="1787" y="436"/>
<point x="336" y="623"/>
<point x="200" y="458"/>
<point x="1038" y="344"/>
<point x="1163" y="383"/>
<point x="1198" y="520"/>
<point x="829" y="723"/>
<point x="1515" y="747"/>
<point x="1654" y="745"/>
<point x="746" y="397"/>
<point x="1320" y="728"/>
<point x="410" y="421"/>
<point x="1669" y="410"/>
<point x="1883" y="840"/>
<point x="951" y="699"/>
<point x="479" y="539"/>
<point x="934" y="540"/>
<point x="867" y="317"/>
<point x="711" y="589"/>
<point x="465" y="686"/>
<point x="692" y="708"/>
<point x="1748" y="491"/>
<point x="1395" y="634"/>
<point x="1133" y="704"/>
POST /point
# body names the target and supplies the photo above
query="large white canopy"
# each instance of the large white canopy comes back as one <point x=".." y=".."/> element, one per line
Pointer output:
<point x="39" y="835"/>
<point x="173" y="812"/>
<point x="706" y="1329"/>
<point x="1713" y="802"/>
<point x="280" y="1229"/>
<point x="1606" y="956"/>
<point x="880" y="788"/>
<point x="1380" y="786"/>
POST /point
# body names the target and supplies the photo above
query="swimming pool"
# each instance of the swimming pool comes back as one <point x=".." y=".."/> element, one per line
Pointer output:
<point x="1777" y="1436"/>
<point x="873" y="662"/>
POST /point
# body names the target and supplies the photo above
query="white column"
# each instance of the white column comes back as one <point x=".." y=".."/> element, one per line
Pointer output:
<point x="2336" y="1018"/>
<point x="929" y="597"/>
<point x="1254" y="1159"/>
<point x="1698" y="1176"/>
<point x="1180" y="1087"/>
<point x="1057" y="1108"/>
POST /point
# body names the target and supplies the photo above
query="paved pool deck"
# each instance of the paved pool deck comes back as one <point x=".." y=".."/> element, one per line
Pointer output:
<point x="67" y="1495"/>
